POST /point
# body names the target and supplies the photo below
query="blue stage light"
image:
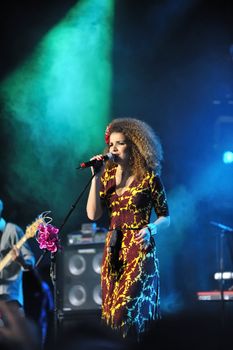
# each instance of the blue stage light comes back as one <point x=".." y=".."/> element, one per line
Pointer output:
<point x="227" y="157"/>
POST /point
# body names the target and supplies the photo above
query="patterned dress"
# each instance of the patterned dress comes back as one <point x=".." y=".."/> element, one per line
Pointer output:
<point x="130" y="274"/>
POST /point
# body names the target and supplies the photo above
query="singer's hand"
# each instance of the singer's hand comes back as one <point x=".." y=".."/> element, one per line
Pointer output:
<point x="143" y="237"/>
<point x="98" y="168"/>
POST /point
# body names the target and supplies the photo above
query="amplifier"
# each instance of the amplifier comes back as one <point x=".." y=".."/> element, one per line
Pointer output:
<point x="77" y="238"/>
<point x="215" y="295"/>
<point x="78" y="277"/>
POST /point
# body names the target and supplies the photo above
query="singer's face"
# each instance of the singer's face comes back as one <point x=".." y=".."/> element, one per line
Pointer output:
<point x="118" y="146"/>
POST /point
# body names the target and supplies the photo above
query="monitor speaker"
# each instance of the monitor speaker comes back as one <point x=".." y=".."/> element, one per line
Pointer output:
<point x="78" y="277"/>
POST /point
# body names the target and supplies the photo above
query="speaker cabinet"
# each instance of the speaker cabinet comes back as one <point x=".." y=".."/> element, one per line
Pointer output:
<point x="78" y="277"/>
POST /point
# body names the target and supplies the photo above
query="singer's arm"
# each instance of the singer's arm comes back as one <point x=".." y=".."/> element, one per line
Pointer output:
<point x="94" y="206"/>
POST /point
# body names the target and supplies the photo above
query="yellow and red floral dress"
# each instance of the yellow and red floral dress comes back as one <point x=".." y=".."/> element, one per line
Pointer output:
<point x="130" y="274"/>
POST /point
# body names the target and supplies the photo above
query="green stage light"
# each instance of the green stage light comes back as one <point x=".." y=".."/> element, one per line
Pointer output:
<point x="57" y="104"/>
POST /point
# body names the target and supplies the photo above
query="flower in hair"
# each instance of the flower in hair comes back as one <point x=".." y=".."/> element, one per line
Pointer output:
<point x="107" y="134"/>
<point x="47" y="237"/>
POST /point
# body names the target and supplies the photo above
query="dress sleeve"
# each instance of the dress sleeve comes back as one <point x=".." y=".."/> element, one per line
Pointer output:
<point x="158" y="195"/>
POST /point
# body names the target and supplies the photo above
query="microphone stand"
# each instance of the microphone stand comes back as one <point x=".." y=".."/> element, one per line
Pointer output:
<point x="53" y="273"/>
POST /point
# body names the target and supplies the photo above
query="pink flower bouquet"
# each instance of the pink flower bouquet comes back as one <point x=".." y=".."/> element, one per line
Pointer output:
<point x="47" y="237"/>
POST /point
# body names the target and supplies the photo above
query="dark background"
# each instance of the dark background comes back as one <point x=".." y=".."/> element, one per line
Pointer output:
<point x="173" y="68"/>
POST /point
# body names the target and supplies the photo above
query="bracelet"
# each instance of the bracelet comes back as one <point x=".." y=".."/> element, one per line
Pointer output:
<point x="152" y="229"/>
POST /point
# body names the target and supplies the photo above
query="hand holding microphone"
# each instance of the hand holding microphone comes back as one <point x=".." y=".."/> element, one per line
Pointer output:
<point x="97" y="161"/>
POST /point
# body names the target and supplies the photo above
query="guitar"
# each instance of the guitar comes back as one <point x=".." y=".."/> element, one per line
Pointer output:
<point x="29" y="233"/>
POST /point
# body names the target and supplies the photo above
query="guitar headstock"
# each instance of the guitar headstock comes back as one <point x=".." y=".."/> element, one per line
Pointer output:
<point x="32" y="229"/>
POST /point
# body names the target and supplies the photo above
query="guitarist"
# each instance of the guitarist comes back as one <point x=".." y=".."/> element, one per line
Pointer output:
<point x="11" y="277"/>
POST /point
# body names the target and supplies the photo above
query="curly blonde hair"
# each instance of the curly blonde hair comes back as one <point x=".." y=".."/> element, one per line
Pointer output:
<point x="144" y="145"/>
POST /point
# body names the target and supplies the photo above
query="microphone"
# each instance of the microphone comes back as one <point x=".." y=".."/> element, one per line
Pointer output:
<point x="96" y="162"/>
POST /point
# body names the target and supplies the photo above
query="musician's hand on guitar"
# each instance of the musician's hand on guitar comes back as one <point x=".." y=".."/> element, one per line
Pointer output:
<point x="15" y="253"/>
<point x="17" y="257"/>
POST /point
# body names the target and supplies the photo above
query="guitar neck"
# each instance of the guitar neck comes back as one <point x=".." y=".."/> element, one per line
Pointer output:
<point x="8" y="257"/>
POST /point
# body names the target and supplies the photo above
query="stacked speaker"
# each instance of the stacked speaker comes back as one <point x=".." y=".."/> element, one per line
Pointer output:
<point x="78" y="277"/>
